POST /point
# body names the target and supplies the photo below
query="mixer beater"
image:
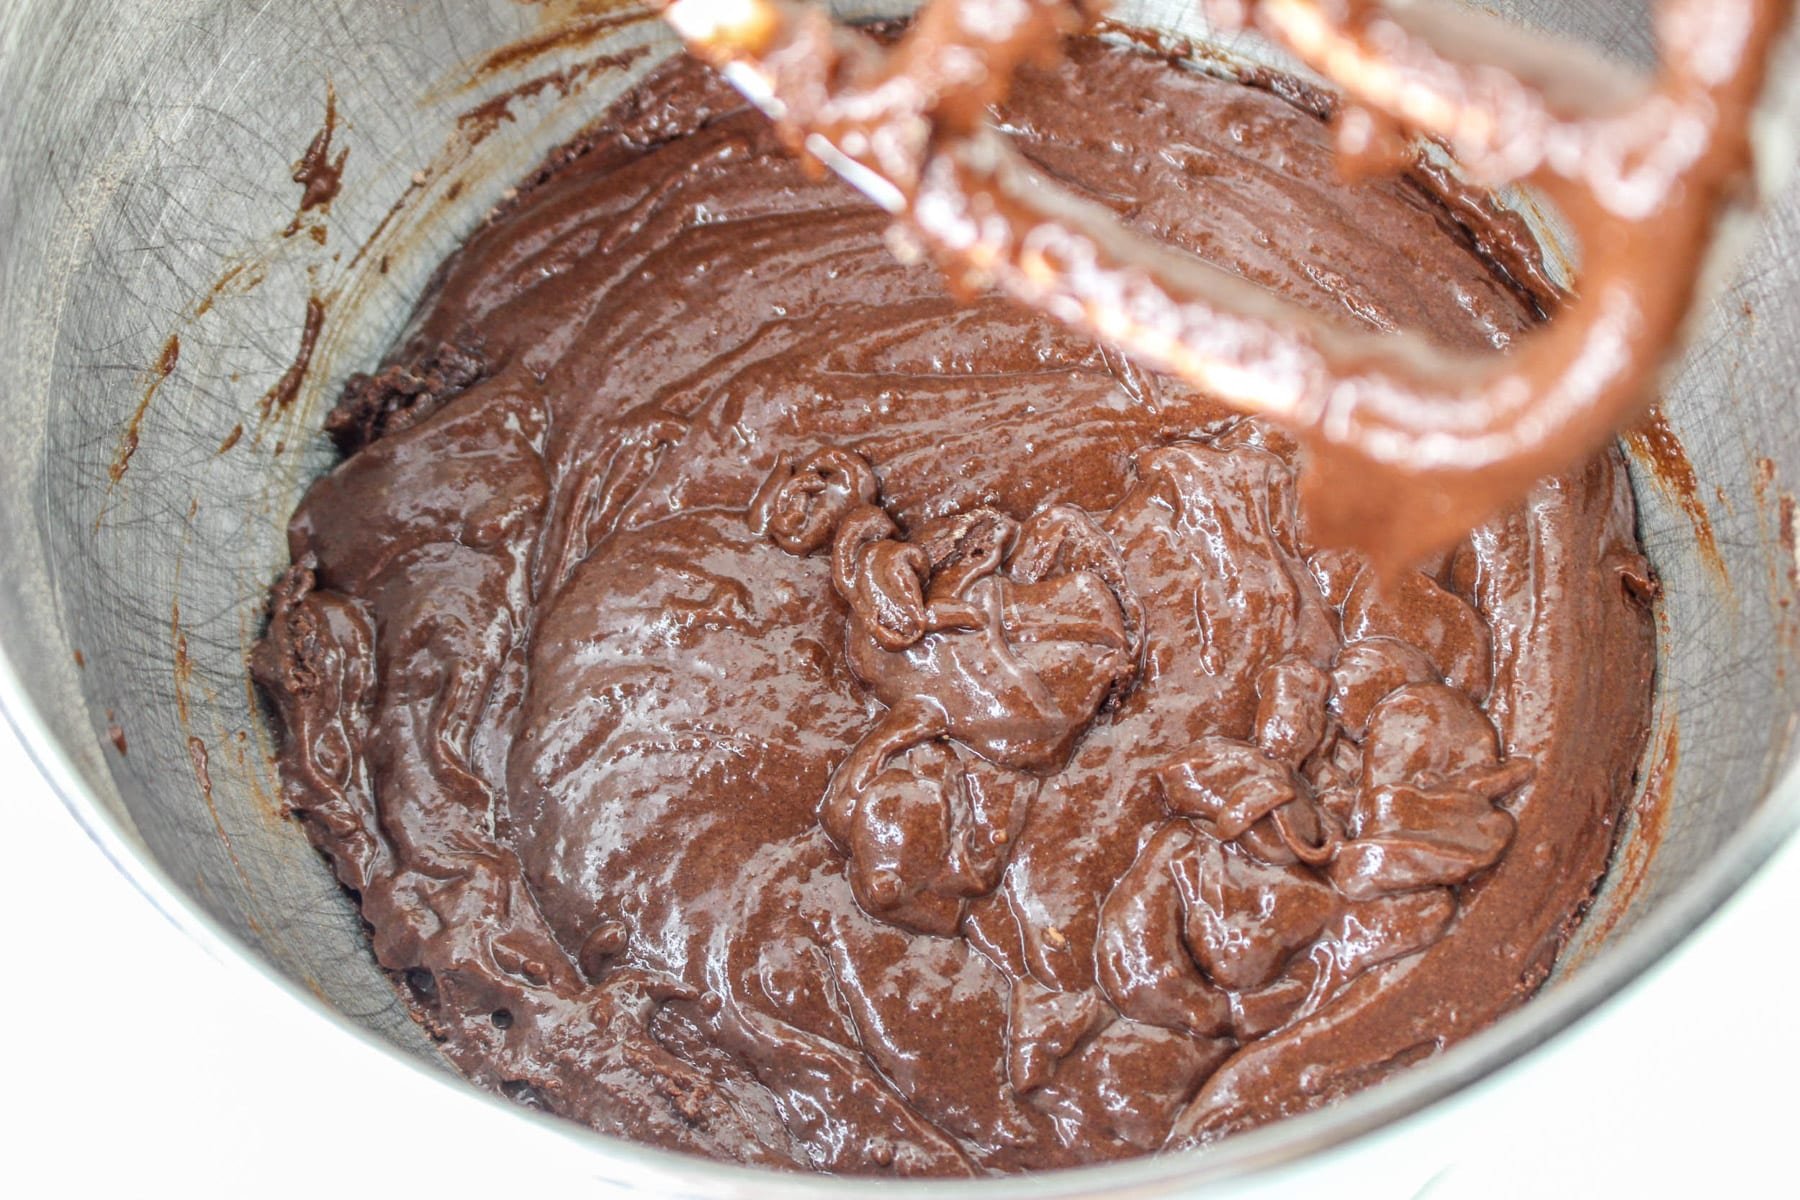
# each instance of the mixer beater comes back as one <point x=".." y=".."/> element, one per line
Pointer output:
<point x="1412" y="445"/>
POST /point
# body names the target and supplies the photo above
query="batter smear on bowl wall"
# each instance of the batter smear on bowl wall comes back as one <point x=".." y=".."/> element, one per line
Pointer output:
<point x="772" y="708"/>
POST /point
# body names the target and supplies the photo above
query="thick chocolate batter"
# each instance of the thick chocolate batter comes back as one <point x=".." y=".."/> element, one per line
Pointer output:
<point x="771" y="709"/>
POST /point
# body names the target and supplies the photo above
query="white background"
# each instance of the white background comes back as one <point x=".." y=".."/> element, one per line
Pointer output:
<point x="136" y="1065"/>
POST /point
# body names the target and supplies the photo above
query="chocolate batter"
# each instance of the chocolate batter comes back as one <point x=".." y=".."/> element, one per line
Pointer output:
<point x="772" y="709"/>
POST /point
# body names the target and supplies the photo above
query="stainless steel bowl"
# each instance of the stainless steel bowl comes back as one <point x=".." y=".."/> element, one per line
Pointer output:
<point x="162" y="416"/>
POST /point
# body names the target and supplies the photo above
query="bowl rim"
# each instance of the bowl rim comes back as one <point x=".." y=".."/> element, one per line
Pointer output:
<point x="1253" y="1156"/>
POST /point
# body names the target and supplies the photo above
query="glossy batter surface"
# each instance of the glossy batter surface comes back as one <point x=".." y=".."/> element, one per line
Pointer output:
<point x="771" y="709"/>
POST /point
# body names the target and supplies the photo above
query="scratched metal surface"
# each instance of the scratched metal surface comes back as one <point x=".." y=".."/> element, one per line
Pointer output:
<point x="145" y="156"/>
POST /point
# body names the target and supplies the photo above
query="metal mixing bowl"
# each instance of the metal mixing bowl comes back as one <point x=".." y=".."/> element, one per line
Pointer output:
<point x="161" y="419"/>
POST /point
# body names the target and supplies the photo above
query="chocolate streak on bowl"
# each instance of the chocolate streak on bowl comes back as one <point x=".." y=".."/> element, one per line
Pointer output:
<point x="319" y="174"/>
<point x="1653" y="444"/>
